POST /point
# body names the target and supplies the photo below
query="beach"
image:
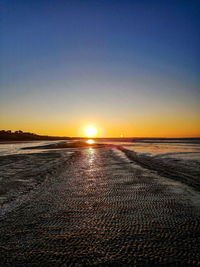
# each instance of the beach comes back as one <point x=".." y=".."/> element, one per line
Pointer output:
<point x="98" y="205"/>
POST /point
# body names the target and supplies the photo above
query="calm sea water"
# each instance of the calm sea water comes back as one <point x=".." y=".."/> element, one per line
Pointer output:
<point x="182" y="149"/>
<point x="11" y="148"/>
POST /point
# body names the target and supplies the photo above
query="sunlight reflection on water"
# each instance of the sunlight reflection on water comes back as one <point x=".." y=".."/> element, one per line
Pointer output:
<point x="91" y="154"/>
<point x="90" y="141"/>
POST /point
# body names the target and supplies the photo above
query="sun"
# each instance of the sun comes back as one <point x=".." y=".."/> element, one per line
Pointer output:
<point x="90" y="131"/>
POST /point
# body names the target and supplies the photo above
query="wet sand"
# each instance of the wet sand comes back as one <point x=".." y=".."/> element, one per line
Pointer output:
<point x="96" y="207"/>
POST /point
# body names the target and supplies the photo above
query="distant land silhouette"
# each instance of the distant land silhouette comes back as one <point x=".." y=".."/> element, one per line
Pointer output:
<point x="8" y="135"/>
<point x="26" y="136"/>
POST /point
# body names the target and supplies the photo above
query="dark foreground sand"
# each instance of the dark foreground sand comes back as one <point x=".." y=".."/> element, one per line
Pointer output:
<point x="95" y="207"/>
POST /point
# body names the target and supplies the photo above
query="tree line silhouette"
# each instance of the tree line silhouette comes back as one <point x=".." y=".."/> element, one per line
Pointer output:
<point x="26" y="136"/>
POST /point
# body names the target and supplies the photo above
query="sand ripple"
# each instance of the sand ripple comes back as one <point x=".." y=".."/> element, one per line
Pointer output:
<point x="102" y="210"/>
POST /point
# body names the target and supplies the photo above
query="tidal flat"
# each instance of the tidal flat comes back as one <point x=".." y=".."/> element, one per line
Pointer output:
<point x="97" y="206"/>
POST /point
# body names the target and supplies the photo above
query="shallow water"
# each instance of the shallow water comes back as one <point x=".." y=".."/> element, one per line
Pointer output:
<point x="12" y="148"/>
<point x="180" y="149"/>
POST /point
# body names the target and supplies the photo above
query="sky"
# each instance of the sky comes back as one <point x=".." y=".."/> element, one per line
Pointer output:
<point x="130" y="68"/>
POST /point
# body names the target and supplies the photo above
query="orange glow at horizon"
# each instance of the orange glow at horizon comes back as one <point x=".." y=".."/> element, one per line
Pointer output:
<point x="140" y="126"/>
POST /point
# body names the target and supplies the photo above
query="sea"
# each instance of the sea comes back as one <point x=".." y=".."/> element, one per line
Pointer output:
<point x="180" y="149"/>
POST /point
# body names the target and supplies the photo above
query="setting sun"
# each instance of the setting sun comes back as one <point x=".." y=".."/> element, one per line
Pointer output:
<point x="90" y="131"/>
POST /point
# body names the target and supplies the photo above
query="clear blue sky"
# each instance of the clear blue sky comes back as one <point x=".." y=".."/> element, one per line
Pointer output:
<point x="130" y="67"/>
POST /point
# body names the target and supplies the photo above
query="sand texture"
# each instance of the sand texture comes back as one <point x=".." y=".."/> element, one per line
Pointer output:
<point x="98" y="208"/>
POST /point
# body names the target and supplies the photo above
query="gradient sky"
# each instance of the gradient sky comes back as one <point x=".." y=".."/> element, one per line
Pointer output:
<point x="128" y="67"/>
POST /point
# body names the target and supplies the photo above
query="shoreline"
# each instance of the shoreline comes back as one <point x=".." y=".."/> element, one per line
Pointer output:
<point x="123" y="139"/>
<point x="169" y="169"/>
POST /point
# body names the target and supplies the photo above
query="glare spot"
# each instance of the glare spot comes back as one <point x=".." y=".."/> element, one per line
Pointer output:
<point x="90" y="141"/>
